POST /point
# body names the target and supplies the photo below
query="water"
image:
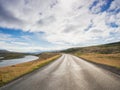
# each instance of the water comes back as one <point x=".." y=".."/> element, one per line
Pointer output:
<point x="1" y="57"/>
<point x="17" y="61"/>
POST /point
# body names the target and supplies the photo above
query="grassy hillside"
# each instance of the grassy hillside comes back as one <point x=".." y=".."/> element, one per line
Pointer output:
<point x="107" y="54"/>
<point x="101" y="49"/>
<point x="10" y="55"/>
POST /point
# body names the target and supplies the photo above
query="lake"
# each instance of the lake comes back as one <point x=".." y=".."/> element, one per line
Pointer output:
<point x="17" y="61"/>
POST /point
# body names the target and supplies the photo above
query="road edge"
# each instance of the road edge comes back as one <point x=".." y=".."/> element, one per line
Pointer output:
<point x="32" y="71"/>
<point x="106" y="67"/>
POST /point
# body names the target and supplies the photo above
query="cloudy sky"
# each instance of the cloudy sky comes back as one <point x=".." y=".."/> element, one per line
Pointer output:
<point x="33" y="25"/>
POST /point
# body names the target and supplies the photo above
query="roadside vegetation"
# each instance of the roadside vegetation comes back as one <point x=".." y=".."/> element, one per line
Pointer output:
<point x="13" y="72"/>
<point x="108" y="54"/>
<point x="106" y="59"/>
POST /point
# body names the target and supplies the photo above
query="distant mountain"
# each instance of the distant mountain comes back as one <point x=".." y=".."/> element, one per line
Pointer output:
<point x="4" y="51"/>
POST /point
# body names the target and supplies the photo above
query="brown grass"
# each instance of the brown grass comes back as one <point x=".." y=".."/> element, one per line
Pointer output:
<point x="107" y="59"/>
<point x="10" y="73"/>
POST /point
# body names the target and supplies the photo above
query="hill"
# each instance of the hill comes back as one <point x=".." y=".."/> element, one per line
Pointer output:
<point x="4" y="54"/>
<point x="103" y="49"/>
<point x="107" y="54"/>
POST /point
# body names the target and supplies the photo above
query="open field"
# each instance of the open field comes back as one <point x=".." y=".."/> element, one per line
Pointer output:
<point x="106" y="59"/>
<point x="107" y="54"/>
<point x="10" y="73"/>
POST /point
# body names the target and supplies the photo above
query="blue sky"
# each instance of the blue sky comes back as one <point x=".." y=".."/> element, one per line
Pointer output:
<point x="43" y="25"/>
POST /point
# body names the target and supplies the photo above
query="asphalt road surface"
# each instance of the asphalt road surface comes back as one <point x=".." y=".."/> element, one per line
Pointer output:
<point x="67" y="73"/>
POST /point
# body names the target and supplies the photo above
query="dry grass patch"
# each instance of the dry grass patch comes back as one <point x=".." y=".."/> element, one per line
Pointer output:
<point x="10" y="73"/>
<point x="107" y="59"/>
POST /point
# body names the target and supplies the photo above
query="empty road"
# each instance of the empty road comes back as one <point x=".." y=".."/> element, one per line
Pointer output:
<point x="67" y="73"/>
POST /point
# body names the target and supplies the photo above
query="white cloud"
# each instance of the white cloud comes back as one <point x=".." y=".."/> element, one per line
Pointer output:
<point x="115" y="5"/>
<point x="11" y="43"/>
<point x="20" y="43"/>
<point x="63" y="22"/>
